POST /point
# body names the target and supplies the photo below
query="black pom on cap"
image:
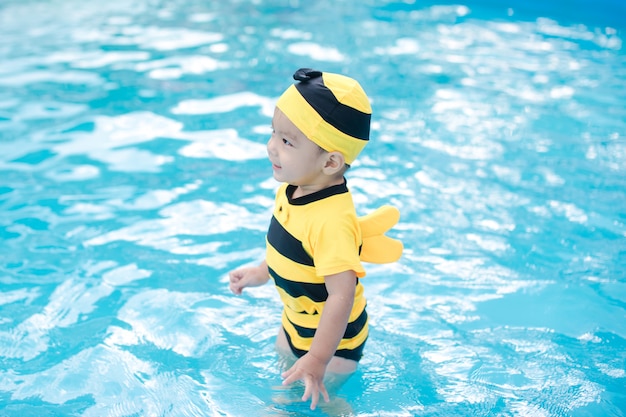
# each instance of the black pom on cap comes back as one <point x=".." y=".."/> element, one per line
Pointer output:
<point x="306" y="74"/>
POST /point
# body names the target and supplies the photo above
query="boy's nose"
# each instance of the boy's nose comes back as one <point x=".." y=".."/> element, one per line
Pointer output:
<point x="270" y="146"/>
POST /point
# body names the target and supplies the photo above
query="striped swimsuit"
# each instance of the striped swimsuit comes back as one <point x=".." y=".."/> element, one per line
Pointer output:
<point x="311" y="237"/>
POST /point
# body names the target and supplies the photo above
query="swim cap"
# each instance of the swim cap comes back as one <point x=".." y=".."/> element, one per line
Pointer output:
<point x="331" y="110"/>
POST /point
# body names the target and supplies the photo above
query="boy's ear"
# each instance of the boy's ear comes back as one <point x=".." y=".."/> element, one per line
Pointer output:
<point x="334" y="162"/>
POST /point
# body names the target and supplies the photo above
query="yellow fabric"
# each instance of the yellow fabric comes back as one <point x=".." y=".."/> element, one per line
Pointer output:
<point x="315" y="128"/>
<point x="310" y="320"/>
<point x="304" y="343"/>
<point x="329" y="232"/>
<point x="287" y="268"/>
<point x="378" y="248"/>
<point x="347" y="91"/>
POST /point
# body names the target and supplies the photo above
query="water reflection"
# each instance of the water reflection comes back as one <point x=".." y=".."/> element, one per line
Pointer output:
<point x="134" y="177"/>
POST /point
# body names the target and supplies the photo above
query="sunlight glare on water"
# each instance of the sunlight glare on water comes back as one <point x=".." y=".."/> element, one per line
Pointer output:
<point x="133" y="177"/>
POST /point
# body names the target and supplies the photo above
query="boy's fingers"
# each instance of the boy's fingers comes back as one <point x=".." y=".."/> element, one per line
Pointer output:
<point x="235" y="287"/>
<point x="289" y="377"/>
<point x="312" y="390"/>
<point x="287" y="373"/>
<point x="312" y="393"/>
<point x="325" y="393"/>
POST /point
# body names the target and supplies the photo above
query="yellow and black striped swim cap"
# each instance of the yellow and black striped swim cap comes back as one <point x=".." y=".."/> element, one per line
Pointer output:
<point x="331" y="110"/>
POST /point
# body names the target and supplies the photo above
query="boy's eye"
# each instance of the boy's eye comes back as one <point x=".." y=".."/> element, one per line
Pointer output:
<point x="286" y="142"/>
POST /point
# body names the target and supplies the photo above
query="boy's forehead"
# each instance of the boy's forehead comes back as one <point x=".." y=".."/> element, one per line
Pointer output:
<point x="281" y="122"/>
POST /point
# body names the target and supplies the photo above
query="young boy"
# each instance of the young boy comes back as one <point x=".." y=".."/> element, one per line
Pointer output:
<point x="315" y="239"/>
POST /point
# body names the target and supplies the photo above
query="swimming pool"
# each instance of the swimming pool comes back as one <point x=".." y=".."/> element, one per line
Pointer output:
<point x="133" y="178"/>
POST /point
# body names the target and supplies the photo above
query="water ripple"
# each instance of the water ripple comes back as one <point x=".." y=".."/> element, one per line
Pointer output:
<point x="133" y="177"/>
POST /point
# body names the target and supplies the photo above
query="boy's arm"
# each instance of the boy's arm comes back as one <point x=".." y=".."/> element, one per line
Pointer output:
<point x="312" y="366"/>
<point x="251" y="276"/>
<point x="341" y="290"/>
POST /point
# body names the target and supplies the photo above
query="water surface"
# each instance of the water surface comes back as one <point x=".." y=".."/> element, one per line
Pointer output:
<point x="133" y="177"/>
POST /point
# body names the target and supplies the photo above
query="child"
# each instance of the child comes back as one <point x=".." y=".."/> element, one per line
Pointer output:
<point x="315" y="242"/>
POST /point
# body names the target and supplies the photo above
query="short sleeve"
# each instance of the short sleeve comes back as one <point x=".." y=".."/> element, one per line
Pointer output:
<point x="335" y="246"/>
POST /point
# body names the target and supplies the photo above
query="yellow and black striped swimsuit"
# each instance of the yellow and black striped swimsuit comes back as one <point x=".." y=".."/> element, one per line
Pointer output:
<point x="309" y="238"/>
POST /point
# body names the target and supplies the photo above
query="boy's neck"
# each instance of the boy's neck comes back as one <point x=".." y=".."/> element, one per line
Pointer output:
<point x="303" y="190"/>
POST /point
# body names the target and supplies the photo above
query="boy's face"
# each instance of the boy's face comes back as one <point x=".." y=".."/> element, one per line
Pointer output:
<point x="295" y="159"/>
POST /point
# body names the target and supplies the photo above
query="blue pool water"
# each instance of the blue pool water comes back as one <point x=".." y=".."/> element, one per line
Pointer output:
<point x="133" y="178"/>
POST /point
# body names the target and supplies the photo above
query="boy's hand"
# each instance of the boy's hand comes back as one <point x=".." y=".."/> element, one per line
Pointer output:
<point x="252" y="276"/>
<point x="309" y="370"/>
